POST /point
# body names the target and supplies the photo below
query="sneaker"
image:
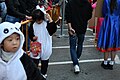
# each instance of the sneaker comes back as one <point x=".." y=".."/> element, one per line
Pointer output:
<point x="104" y="66"/>
<point x="76" y="69"/>
<point x="45" y="76"/>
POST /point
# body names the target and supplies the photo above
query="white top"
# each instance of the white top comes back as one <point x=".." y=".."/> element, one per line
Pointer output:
<point x="44" y="38"/>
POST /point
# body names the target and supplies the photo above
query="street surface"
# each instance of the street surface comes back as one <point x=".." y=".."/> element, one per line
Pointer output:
<point x="61" y="68"/>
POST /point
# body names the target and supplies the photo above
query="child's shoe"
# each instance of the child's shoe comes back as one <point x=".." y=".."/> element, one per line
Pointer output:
<point x="110" y="67"/>
<point x="104" y="66"/>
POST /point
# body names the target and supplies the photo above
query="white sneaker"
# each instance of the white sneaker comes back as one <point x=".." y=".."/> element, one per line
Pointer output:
<point x="45" y="76"/>
<point x="76" y="69"/>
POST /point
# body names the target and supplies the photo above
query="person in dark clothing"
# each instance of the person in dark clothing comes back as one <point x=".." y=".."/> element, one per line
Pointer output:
<point x="18" y="10"/>
<point x="77" y="14"/>
<point x="27" y="6"/>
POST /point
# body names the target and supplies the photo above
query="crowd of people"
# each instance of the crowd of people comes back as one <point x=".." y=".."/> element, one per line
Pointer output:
<point x="77" y="15"/>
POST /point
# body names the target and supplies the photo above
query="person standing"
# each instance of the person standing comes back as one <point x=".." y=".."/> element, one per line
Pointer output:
<point x="77" y="14"/>
<point x="42" y="31"/>
<point x="109" y="35"/>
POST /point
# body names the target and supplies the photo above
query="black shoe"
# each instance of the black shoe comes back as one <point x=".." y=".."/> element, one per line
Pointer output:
<point x="110" y="67"/>
<point x="104" y="66"/>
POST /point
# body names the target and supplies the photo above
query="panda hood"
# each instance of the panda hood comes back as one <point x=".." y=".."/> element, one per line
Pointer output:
<point x="7" y="29"/>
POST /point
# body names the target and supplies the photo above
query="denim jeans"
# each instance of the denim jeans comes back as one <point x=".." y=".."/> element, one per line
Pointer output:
<point x="11" y="19"/>
<point x="76" y="40"/>
<point x="3" y="10"/>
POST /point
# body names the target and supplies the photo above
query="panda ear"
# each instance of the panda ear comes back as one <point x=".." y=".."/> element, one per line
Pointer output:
<point x="18" y="25"/>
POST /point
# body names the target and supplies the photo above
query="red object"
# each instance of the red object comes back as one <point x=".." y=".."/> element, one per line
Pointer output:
<point x="99" y="23"/>
<point x="90" y="1"/>
<point x="35" y="48"/>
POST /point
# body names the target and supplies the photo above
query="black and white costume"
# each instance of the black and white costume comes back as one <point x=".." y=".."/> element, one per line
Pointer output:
<point x="20" y="66"/>
<point x="44" y="32"/>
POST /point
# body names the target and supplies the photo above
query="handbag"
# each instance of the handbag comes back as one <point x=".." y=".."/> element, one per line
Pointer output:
<point x="35" y="48"/>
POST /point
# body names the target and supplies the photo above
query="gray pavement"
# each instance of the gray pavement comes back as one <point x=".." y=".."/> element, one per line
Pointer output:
<point x="61" y="68"/>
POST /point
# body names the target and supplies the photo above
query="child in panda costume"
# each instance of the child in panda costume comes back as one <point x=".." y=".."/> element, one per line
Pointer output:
<point x="14" y="63"/>
<point x="41" y="30"/>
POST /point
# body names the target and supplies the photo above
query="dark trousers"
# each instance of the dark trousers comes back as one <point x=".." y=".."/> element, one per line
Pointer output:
<point x="44" y="65"/>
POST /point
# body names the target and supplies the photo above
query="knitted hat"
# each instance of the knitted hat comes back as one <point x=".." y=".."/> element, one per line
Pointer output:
<point x="7" y="28"/>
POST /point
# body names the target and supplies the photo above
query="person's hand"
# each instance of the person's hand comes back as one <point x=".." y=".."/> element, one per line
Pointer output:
<point x="49" y="18"/>
<point x="35" y="38"/>
<point x="28" y="17"/>
<point x="71" y="31"/>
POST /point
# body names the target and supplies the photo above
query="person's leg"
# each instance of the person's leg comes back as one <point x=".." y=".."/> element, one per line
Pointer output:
<point x="72" y="41"/>
<point x="44" y="66"/>
<point x="106" y="55"/>
<point x="111" y="63"/>
<point x="113" y="54"/>
<point x="80" y="44"/>
<point x="36" y="61"/>
<point x="104" y="64"/>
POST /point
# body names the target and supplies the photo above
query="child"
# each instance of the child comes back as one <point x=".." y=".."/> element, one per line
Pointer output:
<point x="42" y="31"/>
<point x="109" y="35"/>
<point x="14" y="63"/>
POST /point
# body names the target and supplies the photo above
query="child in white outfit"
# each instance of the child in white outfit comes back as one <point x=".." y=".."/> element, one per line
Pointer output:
<point x="42" y="31"/>
<point x="14" y="63"/>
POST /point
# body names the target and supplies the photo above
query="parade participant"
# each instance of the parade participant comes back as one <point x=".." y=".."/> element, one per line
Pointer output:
<point x="41" y="30"/>
<point x="14" y="63"/>
<point x="109" y="39"/>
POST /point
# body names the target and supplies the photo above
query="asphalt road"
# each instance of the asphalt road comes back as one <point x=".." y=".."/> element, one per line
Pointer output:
<point x="61" y="68"/>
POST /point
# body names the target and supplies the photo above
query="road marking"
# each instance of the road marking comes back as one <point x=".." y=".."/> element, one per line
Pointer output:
<point x="62" y="47"/>
<point x="70" y="62"/>
<point x="117" y="61"/>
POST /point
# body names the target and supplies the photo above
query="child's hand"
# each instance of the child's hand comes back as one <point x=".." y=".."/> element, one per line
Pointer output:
<point x="49" y="17"/>
<point x="35" y="38"/>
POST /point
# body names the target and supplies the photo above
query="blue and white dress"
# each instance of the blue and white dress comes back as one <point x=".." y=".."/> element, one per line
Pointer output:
<point x="109" y="36"/>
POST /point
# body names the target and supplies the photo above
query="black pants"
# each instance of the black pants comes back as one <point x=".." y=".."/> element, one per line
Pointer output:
<point x="44" y="65"/>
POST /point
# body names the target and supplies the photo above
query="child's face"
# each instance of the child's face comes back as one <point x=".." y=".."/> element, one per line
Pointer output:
<point x="39" y="21"/>
<point x="11" y="43"/>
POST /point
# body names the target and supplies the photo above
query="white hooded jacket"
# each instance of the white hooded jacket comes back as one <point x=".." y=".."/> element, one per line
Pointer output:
<point x="13" y="69"/>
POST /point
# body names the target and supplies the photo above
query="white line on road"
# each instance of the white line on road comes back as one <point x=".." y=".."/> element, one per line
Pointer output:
<point x="61" y="47"/>
<point x="81" y="61"/>
<point x="70" y="62"/>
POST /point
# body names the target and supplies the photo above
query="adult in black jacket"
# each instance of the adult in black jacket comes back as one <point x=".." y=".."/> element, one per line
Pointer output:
<point x="27" y="6"/>
<point x="18" y="10"/>
<point x="77" y="14"/>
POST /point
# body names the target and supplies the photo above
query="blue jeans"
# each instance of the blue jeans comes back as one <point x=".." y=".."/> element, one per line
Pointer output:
<point x="11" y="19"/>
<point x="3" y="10"/>
<point x="76" y="52"/>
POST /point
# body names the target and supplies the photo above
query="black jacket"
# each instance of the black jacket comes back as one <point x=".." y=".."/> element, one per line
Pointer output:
<point x="31" y="69"/>
<point x="20" y="8"/>
<point x="51" y="27"/>
<point x="78" y="12"/>
<point x="13" y="8"/>
<point x="27" y="6"/>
